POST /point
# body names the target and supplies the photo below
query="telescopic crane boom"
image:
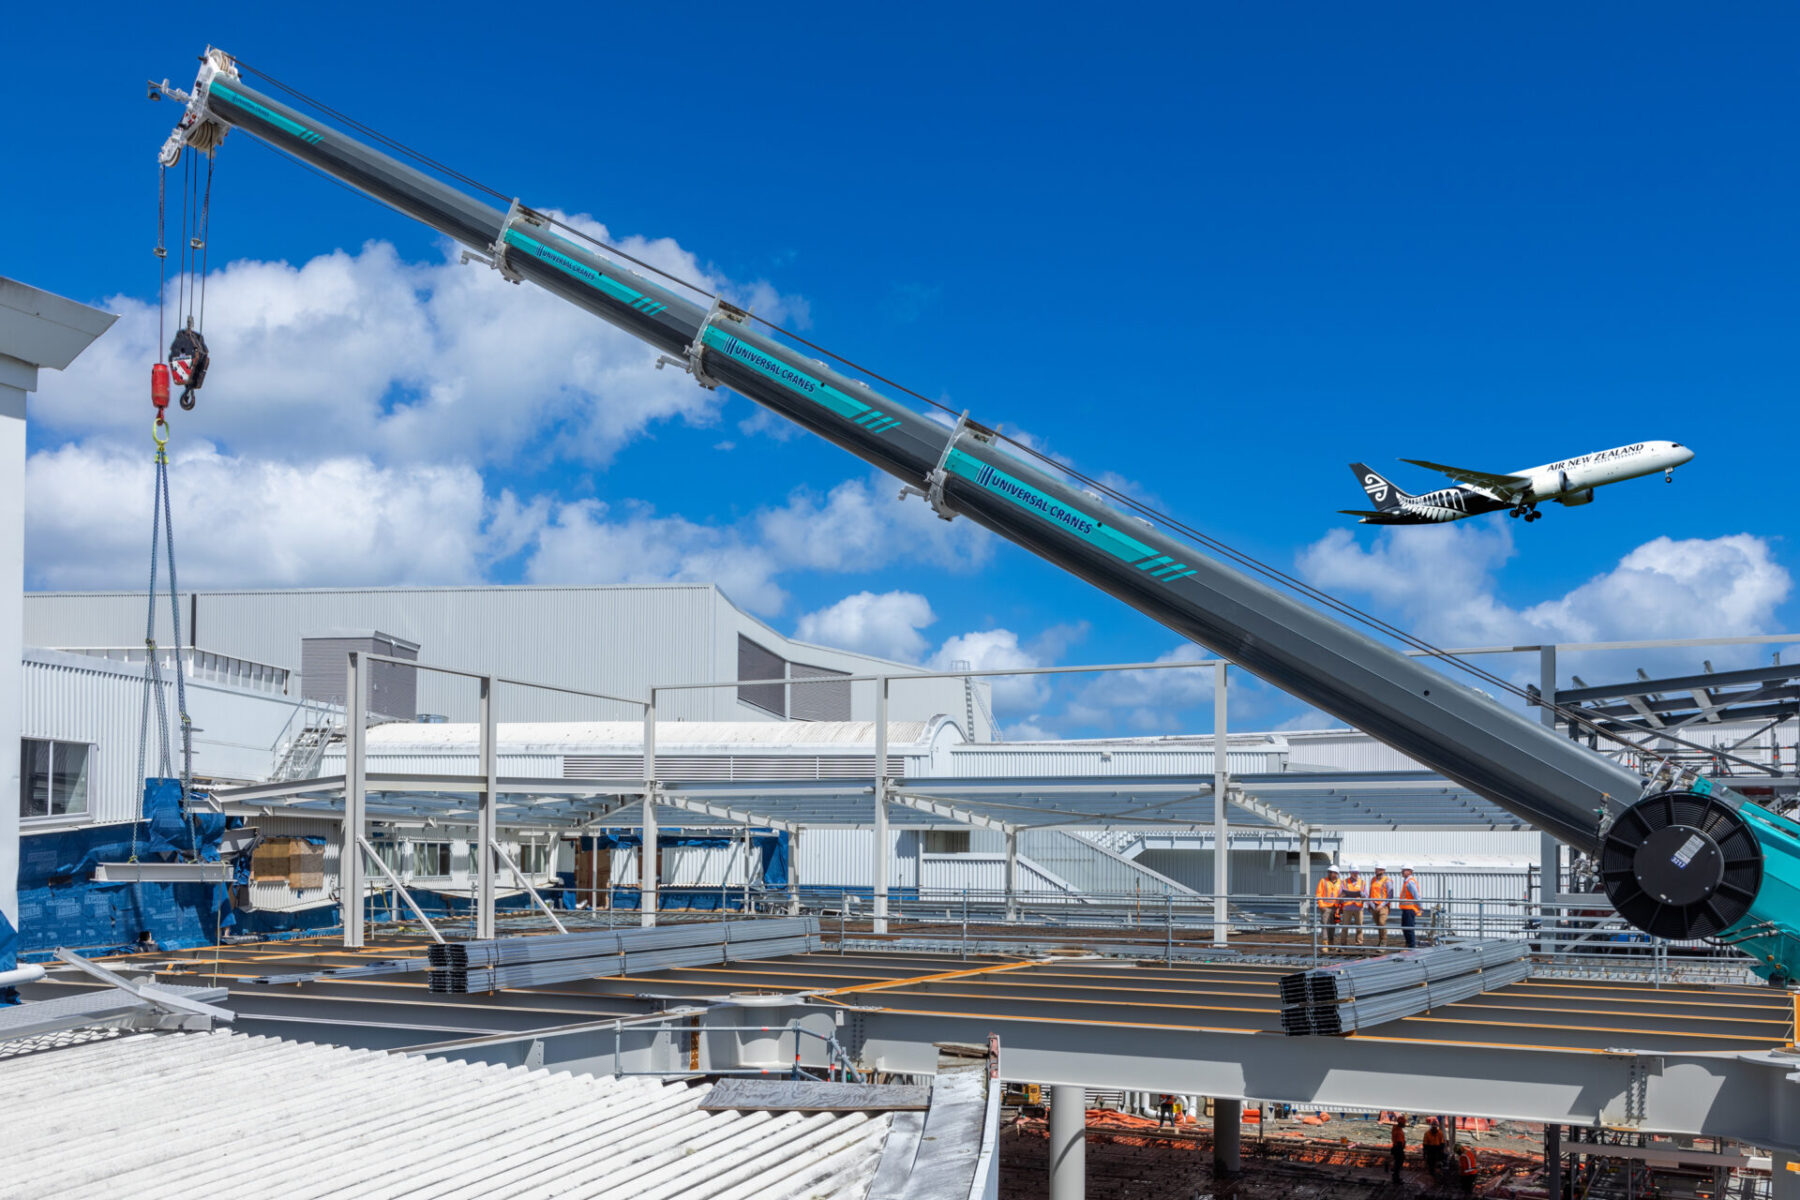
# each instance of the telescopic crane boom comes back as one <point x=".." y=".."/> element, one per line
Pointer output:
<point x="1679" y="864"/>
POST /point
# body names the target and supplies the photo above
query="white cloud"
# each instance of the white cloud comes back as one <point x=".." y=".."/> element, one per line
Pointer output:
<point x="1148" y="701"/>
<point x="996" y="650"/>
<point x="245" y="522"/>
<point x="364" y="353"/>
<point x="886" y="625"/>
<point x="862" y="524"/>
<point x="1445" y="589"/>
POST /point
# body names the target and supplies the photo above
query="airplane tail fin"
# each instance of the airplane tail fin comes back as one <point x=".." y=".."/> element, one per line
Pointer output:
<point x="1385" y="496"/>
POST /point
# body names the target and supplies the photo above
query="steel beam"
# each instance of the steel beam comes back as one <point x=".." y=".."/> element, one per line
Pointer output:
<point x="1221" y="833"/>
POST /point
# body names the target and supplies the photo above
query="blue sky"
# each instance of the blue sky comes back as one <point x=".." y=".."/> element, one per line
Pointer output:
<point x="1217" y="250"/>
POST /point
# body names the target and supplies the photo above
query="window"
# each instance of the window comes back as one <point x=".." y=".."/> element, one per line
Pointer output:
<point x="431" y="860"/>
<point x="758" y="662"/>
<point x="53" y="778"/>
<point x="946" y="841"/>
<point x="534" y="858"/>
<point x="392" y="855"/>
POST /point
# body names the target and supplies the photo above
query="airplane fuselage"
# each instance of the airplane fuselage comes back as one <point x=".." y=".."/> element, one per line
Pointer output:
<point x="1569" y="482"/>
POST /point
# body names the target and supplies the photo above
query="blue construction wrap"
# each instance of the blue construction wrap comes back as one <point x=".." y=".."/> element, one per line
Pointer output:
<point x="770" y="848"/>
<point x="9" y="957"/>
<point x="61" y="905"/>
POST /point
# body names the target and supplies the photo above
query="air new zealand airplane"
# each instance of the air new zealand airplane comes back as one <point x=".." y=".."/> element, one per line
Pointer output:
<point x="1570" y="482"/>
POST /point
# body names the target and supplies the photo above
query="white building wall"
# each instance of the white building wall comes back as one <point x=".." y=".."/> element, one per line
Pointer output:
<point x="618" y="639"/>
<point x="75" y="698"/>
<point x="1255" y="755"/>
<point x="72" y="699"/>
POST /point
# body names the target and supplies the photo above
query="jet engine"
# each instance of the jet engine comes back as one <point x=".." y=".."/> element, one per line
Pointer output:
<point x="1574" y="499"/>
<point x="1547" y="485"/>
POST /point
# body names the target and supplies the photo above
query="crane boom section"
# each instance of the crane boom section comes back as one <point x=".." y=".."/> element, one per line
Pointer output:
<point x="1545" y="779"/>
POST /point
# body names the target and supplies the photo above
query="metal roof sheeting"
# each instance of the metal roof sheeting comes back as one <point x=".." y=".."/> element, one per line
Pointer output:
<point x="599" y="737"/>
<point x="180" y="1115"/>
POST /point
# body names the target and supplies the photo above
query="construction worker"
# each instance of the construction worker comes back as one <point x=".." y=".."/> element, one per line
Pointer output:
<point x="1466" y="1169"/>
<point x="1350" y="904"/>
<point x="1409" y="907"/>
<point x="1327" y="894"/>
<point x="1381" y="891"/>
<point x="1165" y="1110"/>
<point x="1398" y="1153"/>
<point x="1434" y="1148"/>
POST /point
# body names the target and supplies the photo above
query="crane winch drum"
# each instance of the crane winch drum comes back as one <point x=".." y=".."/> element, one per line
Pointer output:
<point x="1681" y="865"/>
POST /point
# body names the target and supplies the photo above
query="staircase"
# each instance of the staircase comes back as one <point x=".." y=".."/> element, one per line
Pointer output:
<point x="1091" y="867"/>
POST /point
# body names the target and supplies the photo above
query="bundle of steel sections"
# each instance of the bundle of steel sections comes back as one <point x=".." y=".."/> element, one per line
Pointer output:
<point x="486" y="966"/>
<point x="1372" y="991"/>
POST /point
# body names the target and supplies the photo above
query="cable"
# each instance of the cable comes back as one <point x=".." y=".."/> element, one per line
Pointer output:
<point x="1343" y="608"/>
<point x="205" y="239"/>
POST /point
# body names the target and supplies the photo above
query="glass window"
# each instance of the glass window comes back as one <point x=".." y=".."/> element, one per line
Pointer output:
<point x="53" y="778"/>
<point x="946" y="841"/>
<point x="431" y="860"/>
<point x="534" y="858"/>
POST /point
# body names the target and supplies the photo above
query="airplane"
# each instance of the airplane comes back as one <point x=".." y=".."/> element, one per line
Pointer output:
<point x="1570" y="482"/>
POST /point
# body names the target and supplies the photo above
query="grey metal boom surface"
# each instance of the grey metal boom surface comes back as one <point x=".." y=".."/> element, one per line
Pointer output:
<point x="1556" y="785"/>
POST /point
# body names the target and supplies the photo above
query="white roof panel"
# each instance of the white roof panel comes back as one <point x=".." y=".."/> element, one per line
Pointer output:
<point x="192" y="1114"/>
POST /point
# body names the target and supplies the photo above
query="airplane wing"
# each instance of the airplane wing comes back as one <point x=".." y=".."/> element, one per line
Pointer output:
<point x="1482" y="479"/>
<point x="1378" y="518"/>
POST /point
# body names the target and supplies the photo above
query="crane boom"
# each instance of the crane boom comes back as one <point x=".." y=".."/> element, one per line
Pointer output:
<point x="1546" y="779"/>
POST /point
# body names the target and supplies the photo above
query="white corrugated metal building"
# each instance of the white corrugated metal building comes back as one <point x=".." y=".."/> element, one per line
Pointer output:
<point x="619" y="639"/>
<point x="91" y="709"/>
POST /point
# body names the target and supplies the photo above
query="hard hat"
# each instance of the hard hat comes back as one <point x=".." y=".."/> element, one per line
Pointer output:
<point x="1331" y="870"/>
<point x="1406" y="868"/>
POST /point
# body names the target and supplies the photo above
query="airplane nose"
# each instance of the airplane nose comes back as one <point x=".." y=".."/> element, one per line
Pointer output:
<point x="1686" y="456"/>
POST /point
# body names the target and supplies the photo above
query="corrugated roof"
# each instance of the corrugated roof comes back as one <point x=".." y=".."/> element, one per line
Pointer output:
<point x="599" y="737"/>
<point x="187" y="1114"/>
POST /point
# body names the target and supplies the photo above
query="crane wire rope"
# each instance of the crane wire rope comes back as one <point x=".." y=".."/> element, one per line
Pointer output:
<point x="1573" y="715"/>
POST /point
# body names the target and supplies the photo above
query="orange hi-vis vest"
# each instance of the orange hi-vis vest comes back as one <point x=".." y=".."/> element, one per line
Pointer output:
<point x="1409" y="895"/>
<point x="1327" y="892"/>
<point x="1381" y="888"/>
<point x="1465" y="1161"/>
<point x="1434" y="1136"/>
<point x="1352" y="893"/>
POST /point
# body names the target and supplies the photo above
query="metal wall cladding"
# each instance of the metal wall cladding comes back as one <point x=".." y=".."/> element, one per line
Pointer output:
<point x="1042" y="759"/>
<point x="842" y="858"/>
<point x="1345" y="750"/>
<point x="617" y="639"/>
<point x="1391" y="848"/>
<point x="91" y="701"/>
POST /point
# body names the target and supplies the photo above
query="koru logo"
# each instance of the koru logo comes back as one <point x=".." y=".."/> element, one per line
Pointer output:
<point x="1376" y="486"/>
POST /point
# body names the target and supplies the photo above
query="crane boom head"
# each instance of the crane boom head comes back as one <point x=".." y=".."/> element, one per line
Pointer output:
<point x="198" y="127"/>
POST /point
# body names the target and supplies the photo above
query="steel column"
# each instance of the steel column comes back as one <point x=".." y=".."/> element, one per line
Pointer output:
<point x="879" y="852"/>
<point x="647" y="874"/>
<point x="1549" y="849"/>
<point x="1221" y="832"/>
<point x="1068" y="1142"/>
<point x="485" y="815"/>
<point x="793" y="871"/>
<point x="1228" y="1133"/>
<point x="1553" y="1165"/>
<point x="1012" y="873"/>
<point x="351" y="875"/>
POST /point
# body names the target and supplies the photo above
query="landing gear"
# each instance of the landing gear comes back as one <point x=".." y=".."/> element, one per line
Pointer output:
<point x="1528" y="511"/>
<point x="1669" y="475"/>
